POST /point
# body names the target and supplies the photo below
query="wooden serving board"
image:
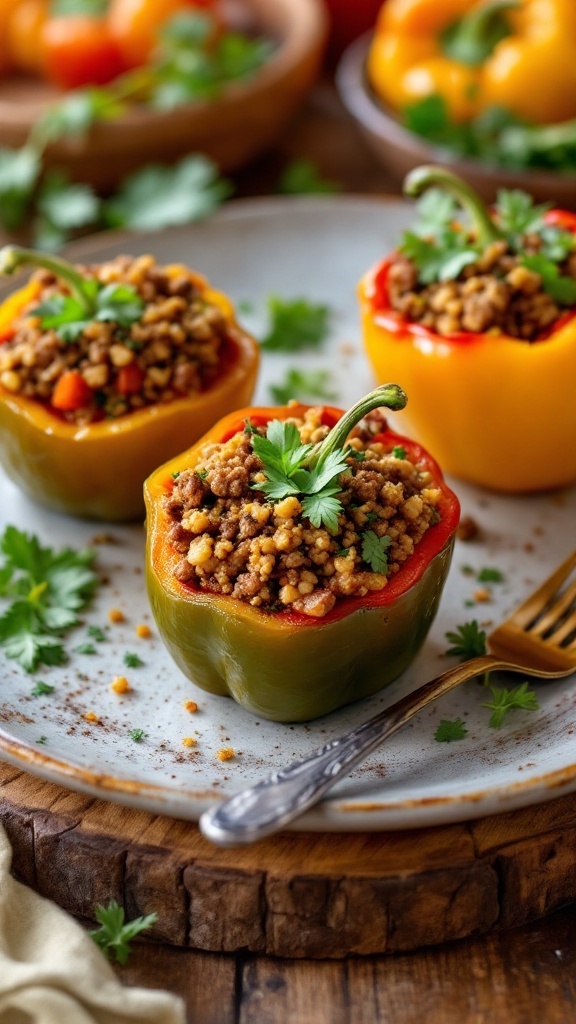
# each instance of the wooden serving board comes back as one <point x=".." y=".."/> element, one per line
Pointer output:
<point x="298" y="894"/>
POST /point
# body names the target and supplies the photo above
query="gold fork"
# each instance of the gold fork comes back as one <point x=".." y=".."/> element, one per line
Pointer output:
<point x="538" y="639"/>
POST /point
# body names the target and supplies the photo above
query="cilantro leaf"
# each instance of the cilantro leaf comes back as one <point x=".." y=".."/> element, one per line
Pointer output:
<point x="295" y="324"/>
<point x="63" y="206"/>
<point x="374" y="551"/>
<point x="96" y="633"/>
<point x="132" y="660"/>
<point x="399" y="452"/>
<point x="300" y="385"/>
<point x="65" y="314"/>
<point x="75" y="114"/>
<point x="41" y="688"/>
<point x="559" y="286"/>
<point x="114" y="934"/>
<point x="19" y="174"/>
<point x="448" y="731"/>
<point x="518" y="215"/>
<point x="441" y="259"/>
<point x="504" y="700"/>
<point x="435" y="211"/>
<point x="137" y="735"/>
<point x="302" y="177"/>
<point x="490" y="575"/>
<point x="158" y="196"/>
<point x="468" y="641"/>
<point x="85" y="649"/>
<point x="323" y="509"/>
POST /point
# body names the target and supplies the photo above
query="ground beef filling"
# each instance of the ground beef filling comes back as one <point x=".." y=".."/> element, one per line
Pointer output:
<point x="234" y="541"/>
<point x="176" y="346"/>
<point x="496" y="293"/>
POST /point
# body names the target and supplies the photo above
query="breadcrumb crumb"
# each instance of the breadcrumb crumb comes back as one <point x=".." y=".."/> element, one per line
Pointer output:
<point x="90" y="716"/>
<point x="120" y="684"/>
<point x="482" y="595"/>
<point x="116" y="615"/>
<point x="191" y="705"/>
<point x="225" y="753"/>
<point x="189" y="741"/>
<point x="143" y="631"/>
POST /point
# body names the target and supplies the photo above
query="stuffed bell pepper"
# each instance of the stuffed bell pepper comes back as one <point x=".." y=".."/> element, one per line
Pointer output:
<point x="107" y="370"/>
<point x="475" y="316"/>
<point x="296" y="555"/>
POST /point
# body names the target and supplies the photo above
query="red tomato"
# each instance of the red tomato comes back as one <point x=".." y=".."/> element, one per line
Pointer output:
<point x="79" y="50"/>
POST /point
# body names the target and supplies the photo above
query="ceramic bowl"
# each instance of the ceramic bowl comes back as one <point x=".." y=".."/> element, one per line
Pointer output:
<point x="247" y="118"/>
<point x="399" y="150"/>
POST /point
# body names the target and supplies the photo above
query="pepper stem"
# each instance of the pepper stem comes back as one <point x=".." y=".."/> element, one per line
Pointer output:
<point x="472" y="39"/>
<point x="13" y="257"/>
<point x="388" y="396"/>
<point x="428" y="176"/>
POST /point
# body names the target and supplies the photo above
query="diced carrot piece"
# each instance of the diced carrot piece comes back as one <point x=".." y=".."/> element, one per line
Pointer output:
<point x="71" y="392"/>
<point x="130" y="379"/>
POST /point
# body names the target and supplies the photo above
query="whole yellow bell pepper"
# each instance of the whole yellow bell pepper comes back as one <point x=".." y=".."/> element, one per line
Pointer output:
<point x="493" y="409"/>
<point x="98" y="471"/>
<point x="476" y="54"/>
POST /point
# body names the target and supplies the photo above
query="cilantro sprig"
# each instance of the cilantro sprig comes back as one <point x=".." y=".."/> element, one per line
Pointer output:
<point x="441" y="247"/>
<point x="312" y="471"/>
<point x="300" y="384"/>
<point x="504" y="700"/>
<point x="295" y="324"/>
<point x="88" y="300"/>
<point x="115" y="933"/>
<point x="468" y="641"/>
<point x="45" y="589"/>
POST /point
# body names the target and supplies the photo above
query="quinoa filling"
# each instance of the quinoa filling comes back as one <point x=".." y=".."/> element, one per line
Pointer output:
<point x="174" y="349"/>
<point x="233" y="540"/>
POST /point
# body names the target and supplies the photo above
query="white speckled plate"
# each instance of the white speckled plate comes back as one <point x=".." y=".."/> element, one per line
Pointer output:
<point x="316" y="248"/>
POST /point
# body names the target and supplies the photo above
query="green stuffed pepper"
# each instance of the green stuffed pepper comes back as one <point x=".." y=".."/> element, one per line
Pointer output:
<point x="297" y="555"/>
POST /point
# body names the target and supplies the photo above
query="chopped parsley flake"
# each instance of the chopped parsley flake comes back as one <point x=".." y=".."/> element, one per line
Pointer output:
<point x="449" y="731"/>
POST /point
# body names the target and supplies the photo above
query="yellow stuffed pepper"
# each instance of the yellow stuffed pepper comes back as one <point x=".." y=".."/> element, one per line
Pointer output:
<point x="519" y="55"/>
<point x="477" y="323"/>
<point x="107" y="371"/>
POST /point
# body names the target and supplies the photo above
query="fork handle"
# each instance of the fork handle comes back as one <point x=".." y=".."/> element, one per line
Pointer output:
<point x="271" y="804"/>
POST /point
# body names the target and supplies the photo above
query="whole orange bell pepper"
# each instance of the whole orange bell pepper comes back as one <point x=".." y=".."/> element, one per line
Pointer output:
<point x="515" y="54"/>
<point x="135" y="25"/>
<point x="493" y="409"/>
<point x="24" y="35"/>
<point x="97" y="471"/>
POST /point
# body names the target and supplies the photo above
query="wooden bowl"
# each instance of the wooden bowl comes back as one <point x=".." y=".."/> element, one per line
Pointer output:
<point x="399" y="150"/>
<point x="232" y="129"/>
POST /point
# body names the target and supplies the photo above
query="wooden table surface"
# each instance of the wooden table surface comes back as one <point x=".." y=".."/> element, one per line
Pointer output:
<point x="524" y="976"/>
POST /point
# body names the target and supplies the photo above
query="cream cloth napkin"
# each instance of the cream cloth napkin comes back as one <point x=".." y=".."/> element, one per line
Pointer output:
<point x="51" y="972"/>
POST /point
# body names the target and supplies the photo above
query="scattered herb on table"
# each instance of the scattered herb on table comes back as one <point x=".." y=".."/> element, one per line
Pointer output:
<point x="42" y="740"/>
<point x="132" y="660"/>
<point x="138" y="735"/>
<point x="504" y="700"/>
<point x="45" y="589"/>
<point x="468" y="641"/>
<point x="490" y="575"/>
<point x="302" y="177"/>
<point x="85" y="649"/>
<point x="448" y="731"/>
<point x="301" y="384"/>
<point x="114" y="934"/>
<point x="97" y="634"/>
<point x="295" y="324"/>
<point x="41" y="689"/>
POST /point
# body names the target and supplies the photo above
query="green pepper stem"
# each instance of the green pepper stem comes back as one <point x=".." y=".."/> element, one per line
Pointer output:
<point x="471" y="39"/>
<point x="13" y="257"/>
<point x="427" y="176"/>
<point x="388" y="396"/>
